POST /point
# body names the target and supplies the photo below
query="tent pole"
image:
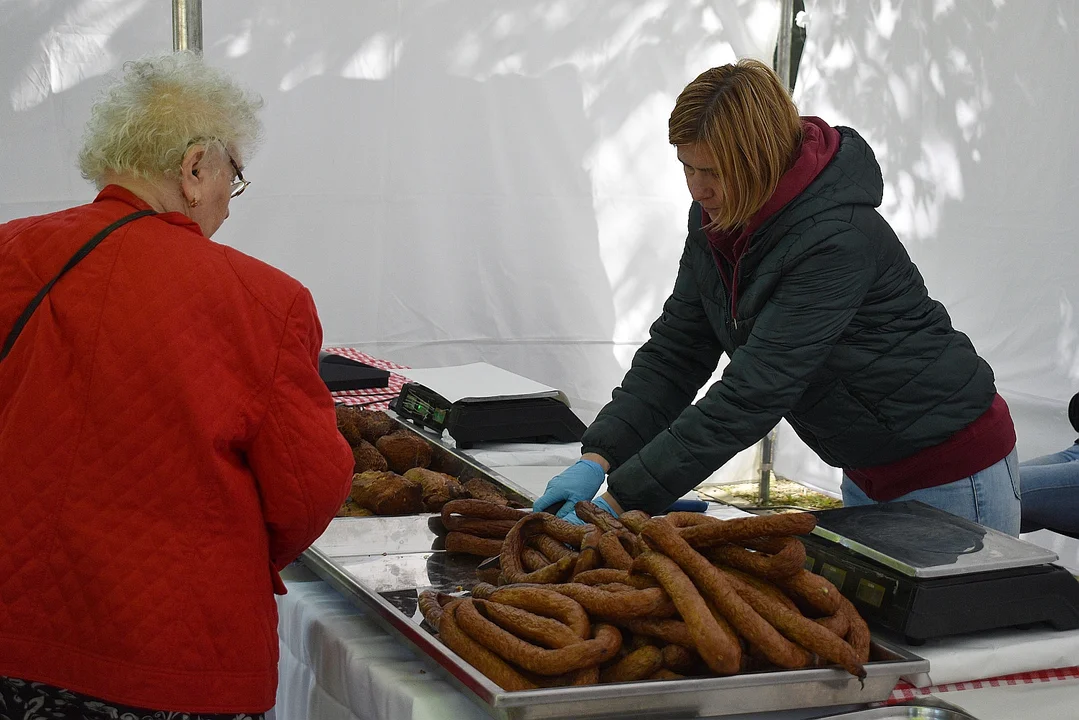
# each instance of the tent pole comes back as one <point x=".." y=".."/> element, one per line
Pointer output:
<point x="783" y="69"/>
<point x="767" y="450"/>
<point x="187" y="25"/>
<point x="783" y="45"/>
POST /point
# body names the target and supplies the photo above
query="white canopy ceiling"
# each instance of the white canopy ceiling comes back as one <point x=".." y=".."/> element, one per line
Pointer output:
<point x="490" y="180"/>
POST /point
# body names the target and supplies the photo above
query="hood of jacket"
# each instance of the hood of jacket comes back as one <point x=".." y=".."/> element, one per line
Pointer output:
<point x="852" y="178"/>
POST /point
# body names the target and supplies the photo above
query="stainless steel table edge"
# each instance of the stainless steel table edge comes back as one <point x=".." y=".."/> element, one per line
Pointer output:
<point x="735" y="694"/>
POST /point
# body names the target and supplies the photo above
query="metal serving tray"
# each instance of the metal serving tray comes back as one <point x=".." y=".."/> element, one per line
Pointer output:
<point x="382" y="563"/>
<point x="366" y="565"/>
<point x="924" y="709"/>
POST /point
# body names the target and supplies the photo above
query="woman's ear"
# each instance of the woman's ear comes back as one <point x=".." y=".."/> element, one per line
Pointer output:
<point x="190" y="177"/>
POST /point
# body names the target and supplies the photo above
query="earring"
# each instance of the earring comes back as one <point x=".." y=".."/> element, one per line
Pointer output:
<point x="194" y="202"/>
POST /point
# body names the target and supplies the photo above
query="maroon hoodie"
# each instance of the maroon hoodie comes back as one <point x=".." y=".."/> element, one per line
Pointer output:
<point x="820" y="143"/>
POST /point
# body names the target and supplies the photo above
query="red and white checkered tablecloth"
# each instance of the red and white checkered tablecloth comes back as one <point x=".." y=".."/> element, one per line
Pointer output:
<point x="904" y="691"/>
<point x="373" y="398"/>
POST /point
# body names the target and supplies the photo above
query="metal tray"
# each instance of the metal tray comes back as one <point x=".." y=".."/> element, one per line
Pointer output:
<point x="382" y="563"/>
<point x="923" y="709"/>
<point x="383" y="566"/>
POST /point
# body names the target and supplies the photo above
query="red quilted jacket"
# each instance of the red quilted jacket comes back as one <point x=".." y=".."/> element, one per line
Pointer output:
<point x="166" y="445"/>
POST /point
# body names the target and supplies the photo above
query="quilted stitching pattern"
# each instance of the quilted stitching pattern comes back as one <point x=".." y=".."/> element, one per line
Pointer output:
<point x="165" y="441"/>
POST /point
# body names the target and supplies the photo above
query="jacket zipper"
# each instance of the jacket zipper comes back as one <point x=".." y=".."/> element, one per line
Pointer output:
<point x="734" y="286"/>
<point x="730" y="290"/>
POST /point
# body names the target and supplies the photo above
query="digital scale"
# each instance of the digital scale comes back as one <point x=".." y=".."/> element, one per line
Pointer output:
<point x="342" y="373"/>
<point x="925" y="573"/>
<point x="536" y="420"/>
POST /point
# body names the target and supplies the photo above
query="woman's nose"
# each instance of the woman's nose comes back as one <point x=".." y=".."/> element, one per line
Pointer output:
<point x="699" y="190"/>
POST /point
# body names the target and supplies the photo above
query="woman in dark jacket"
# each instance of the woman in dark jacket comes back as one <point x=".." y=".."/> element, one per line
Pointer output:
<point x="789" y="269"/>
<point x="1051" y="486"/>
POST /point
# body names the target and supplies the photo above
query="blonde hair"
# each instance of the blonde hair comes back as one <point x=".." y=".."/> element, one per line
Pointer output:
<point x="747" y="121"/>
<point x="144" y="121"/>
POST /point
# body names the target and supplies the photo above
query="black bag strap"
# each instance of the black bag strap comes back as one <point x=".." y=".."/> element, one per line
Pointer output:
<point x="75" y="260"/>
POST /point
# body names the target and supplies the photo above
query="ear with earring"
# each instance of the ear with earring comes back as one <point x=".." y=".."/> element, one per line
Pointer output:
<point x="193" y="202"/>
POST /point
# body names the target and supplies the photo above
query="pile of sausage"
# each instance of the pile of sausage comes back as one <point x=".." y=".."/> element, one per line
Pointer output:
<point x="636" y="598"/>
<point x="478" y="527"/>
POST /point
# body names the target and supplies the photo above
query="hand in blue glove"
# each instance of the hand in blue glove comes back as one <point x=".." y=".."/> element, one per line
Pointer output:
<point x="598" y="502"/>
<point x="580" y="481"/>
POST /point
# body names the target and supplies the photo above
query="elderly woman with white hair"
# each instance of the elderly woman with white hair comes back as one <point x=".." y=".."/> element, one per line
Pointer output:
<point x="166" y="443"/>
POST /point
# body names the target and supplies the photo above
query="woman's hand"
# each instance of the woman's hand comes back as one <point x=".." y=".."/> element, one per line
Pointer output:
<point x="580" y="481"/>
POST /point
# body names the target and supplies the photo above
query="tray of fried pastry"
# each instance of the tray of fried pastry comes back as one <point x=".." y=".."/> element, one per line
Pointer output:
<point x="403" y="470"/>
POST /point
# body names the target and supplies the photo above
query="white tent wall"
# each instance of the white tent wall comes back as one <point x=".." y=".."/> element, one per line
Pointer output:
<point x="464" y="180"/>
<point x="454" y="181"/>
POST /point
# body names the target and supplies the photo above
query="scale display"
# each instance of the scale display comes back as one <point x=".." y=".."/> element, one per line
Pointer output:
<point x="422" y="406"/>
<point x="925" y="573"/>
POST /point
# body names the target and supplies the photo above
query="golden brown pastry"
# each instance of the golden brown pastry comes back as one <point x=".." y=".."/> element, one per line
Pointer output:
<point x="351" y="509"/>
<point x="404" y="450"/>
<point x="480" y="489"/>
<point x="346" y="424"/>
<point x="445" y="462"/>
<point x="387" y="493"/>
<point x="438" y="488"/>
<point x="373" y="424"/>
<point x="368" y="457"/>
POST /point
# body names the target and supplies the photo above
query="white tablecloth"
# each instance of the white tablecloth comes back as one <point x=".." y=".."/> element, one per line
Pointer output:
<point x="338" y="663"/>
<point x="1044" y="701"/>
<point x="995" y="653"/>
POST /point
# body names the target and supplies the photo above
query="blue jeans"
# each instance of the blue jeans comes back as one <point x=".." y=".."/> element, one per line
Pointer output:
<point x="989" y="497"/>
<point x="1051" y="492"/>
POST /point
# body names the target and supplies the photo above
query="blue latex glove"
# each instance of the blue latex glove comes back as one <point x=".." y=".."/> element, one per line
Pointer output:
<point x="598" y="502"/>
<point x="580" y="481"/>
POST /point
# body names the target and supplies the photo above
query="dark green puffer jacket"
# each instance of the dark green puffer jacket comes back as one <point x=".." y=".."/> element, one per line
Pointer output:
<point x="833" y="330"/>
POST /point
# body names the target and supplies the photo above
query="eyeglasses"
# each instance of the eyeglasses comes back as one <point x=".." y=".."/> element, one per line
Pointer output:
<point x="239" y="185"/>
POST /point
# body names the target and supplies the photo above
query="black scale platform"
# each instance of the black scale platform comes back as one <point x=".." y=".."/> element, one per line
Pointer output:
<point x="925" y="573"/>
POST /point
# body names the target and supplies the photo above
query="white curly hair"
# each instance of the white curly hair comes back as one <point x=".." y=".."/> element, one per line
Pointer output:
<point x="146" y="119"/>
